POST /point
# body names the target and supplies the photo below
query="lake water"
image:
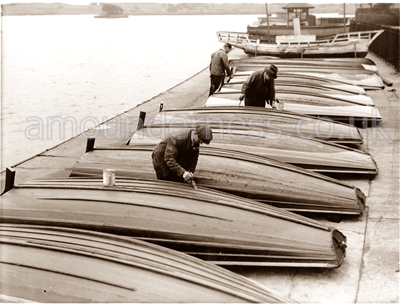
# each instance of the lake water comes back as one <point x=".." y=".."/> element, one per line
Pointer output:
<point x="84" y="70"/>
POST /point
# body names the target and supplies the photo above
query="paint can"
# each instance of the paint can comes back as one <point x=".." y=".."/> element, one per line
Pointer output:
<point x="109" y="177"/>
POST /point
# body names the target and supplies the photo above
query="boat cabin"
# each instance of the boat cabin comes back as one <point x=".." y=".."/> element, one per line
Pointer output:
<point x="300" y="11"/>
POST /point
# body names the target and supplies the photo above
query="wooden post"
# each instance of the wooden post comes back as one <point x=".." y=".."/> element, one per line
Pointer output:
<point x="344" y="17"/>
<point x="266" y="11"/>
<point x="142" y="117"/>
<point x="90" y="144"/>
<point x="10" y="178"/>
<point x="355" y="50"/>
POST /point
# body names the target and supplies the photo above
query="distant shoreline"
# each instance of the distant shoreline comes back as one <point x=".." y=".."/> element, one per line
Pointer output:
<point x="21" y="9"/>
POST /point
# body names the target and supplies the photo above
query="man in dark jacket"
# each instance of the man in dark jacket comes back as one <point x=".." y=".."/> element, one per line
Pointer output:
<point x="259" y="87"/>
<point x="218" y="65"/>
<point x="175" y="157"/>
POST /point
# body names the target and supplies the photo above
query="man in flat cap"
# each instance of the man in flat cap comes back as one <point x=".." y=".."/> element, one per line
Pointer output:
<point x="175" y="157"/>
<point x="259" y="87"/>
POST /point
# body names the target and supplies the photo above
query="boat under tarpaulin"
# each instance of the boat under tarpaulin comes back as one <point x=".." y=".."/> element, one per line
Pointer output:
<point x="316" y="155"/>
<point x="50" y="264"/>
<point x="341" y="112"/>
<point x="247" y="175"/>
<point x="217" y="227"/>
<point x="277" y="122"/>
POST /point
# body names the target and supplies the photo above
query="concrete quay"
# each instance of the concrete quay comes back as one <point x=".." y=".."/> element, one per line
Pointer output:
<point x="370" y="271"/>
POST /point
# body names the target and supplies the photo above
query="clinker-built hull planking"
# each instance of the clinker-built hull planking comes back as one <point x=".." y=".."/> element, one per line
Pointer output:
<point x="217" y="227"/>
<point x="51" y="264"/>
<point x="247" y="175"/>
<point x="312" y="154"/>
<point x="276" y="122"/>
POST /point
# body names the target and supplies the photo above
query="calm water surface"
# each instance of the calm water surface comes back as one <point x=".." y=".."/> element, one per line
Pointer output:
<point x="85" y="70"/>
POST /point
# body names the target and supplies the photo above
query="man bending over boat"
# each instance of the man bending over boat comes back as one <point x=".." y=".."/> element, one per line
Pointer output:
<point x="175" y="157"/>
<point x="259" y="87"/>
<point x="218" y="65"/>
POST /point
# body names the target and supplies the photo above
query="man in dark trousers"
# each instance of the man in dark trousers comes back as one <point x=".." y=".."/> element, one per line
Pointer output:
<point x="218" y="66"/>
<point x="175" y="157"/>
<point x="259" y="87"/>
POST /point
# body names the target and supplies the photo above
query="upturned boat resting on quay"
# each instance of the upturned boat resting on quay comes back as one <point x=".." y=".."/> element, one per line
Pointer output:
<point x="51" y="264"/>
<point x="217" y="227"/>
<point x="328" y="70"/>
<point x="311" y="154"/>
<point x="277" y="122"/>
<point x="350" y="45"/>
<point x="368" y="81"/>
<point x="349" y="113"/>
<point x="244" y="174"/>
<point x="310" y="81"/>
<point x="294" y="93"/>
<point x="316" y="63"/>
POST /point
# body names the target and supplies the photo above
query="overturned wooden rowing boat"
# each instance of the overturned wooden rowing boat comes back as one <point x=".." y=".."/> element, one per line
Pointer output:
<point x="283" y="87"/>
<point x="368" y="81"/>
<point x="308" y="95"/>
<point x="316" y="155"/>
<point x="217" y="227"/>
<point x="277" y="122"/>
<point x="307" y="81"/>
<point x="51" y="264"/>
<point x="342" y="111"/>
<point x="352" y="72"/>
<point x="313" y="63"/>
<point x="244" y="174"/>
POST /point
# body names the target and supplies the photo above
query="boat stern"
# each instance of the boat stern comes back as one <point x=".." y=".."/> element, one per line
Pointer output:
<point x="339" y="245"/>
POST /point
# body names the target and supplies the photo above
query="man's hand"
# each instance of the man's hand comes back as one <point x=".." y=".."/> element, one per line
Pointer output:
<point x="241" y="97"/>
<point x="275" y="104"/>
<point x="188" y="176"/>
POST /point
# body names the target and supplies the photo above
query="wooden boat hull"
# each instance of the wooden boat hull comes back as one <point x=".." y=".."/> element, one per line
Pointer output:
<point x="345" y="50"/>
<point x="51" y="264"/>
<point x="301" y="87"/>
<point x="308" y="95"/>
<point x="276" y="122"/>
<point x="366" y="81"/>
<point x="315" y="155"/>
<point x="217" y="227"/>
<point x="346" y="45"/>
<point x="345" y="64"/>
<point x="243" y="174"/>
<point x="351" y="114"/>
<point x="304" y="80"/>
